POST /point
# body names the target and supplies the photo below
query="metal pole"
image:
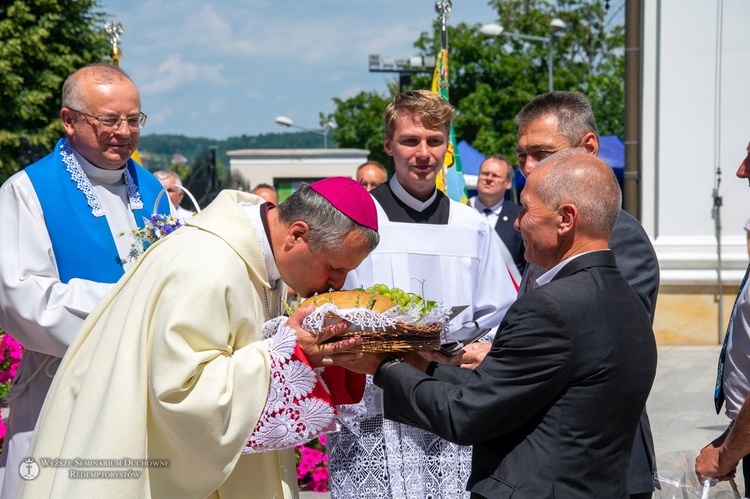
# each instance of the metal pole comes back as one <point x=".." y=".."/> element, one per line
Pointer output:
<point x="632" y="175"/>
<point x="549" y="63"/>
<point x="443" y="8"/>
<point x="717" y="158"/>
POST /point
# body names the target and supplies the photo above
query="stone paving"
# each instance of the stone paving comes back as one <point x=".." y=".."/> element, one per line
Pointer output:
<point x="681" y="406"/>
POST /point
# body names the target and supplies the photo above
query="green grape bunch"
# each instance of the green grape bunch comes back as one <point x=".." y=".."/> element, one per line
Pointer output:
<point x="403" y="299"/>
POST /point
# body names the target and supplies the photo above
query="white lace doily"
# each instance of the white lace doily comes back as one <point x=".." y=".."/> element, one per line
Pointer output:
<point x="364" y="319"/>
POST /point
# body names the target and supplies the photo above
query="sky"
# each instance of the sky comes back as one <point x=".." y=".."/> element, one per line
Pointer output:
<point x="222" y="68"/>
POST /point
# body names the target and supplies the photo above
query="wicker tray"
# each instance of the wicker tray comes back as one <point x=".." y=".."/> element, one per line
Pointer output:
<point x="402" y="338"/>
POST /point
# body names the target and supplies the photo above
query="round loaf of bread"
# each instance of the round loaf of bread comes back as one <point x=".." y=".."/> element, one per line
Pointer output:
<point x="351" y="299"/>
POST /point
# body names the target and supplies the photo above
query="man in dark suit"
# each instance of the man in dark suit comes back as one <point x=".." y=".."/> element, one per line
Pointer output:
<point x="553" y="408"/>
<point x="495" y="178"/>
<point x="549" y="124"/>
<point x="559" y="121"/>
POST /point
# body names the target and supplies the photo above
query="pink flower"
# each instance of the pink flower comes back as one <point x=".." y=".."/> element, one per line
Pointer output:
<point x="313" y="455"/>
<point x="312" y="465"/>
<point x="10" y="356"/>
<point x="319" y="486"/>
<point x="304" y="467"/>
<point x="320" y="473"/>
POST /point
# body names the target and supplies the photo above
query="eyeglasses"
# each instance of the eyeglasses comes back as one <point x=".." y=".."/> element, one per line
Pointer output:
<point x="113" y="123"/>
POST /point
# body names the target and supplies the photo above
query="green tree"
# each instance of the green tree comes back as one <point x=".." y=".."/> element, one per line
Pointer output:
<point x="359" y="124"/>
<point x="181" y="169"/>
<point x="41" y="43"/>
<point x="491" y="79"/>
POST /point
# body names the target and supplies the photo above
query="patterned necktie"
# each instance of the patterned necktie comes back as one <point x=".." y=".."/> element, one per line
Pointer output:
<point x="530" y="275"/>
<point x="719" y="391"/>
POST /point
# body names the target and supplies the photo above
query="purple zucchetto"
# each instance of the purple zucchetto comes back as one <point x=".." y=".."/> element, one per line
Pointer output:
<point x="350" y="198"/>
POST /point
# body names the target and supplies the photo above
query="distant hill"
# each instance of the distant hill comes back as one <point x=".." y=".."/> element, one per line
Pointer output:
<point x="157" y="149"/>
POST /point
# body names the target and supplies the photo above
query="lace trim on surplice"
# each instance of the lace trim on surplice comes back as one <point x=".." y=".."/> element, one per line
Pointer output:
<point x="84" y="184"/>
<point x="292" y="414"/>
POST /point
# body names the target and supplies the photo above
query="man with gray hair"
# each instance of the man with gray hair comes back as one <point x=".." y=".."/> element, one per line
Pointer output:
<point x="371" y="174"/>
<point x="559" y="121"/>
<point x="60" y="221"/>
<point x="195" y="382"/>
<point x="172" y="182"/>
<point x="553" y="407"/>
<point x="549" y="124"/>
<point x="267" y="192"/>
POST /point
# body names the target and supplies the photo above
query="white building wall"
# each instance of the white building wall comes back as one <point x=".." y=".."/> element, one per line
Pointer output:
<point x="266" y="166"/>
<point x="695" y="108"/>
<point x="681" y="145"/>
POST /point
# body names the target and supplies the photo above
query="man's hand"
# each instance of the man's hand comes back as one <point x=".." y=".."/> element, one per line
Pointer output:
<point x="468" y="357"/>
<point x="369" y="362"/>
<point x="709" y="464"/>
<point x="473" y="354"/>
<point x="315" y="347"/>
<point x="440" y="357"/>
<point x="366" y="364"/>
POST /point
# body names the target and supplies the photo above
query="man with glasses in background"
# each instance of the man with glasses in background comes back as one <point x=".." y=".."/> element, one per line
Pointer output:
<point x="60" y="221"/>
<point x="495" y="178"/>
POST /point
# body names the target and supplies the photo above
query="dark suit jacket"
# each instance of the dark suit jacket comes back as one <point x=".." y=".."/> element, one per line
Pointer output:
<point x="636" y="259"/>
<point x="509" y="235"/>
<point x="553" y="408"/>
<point x="639" y="266"/>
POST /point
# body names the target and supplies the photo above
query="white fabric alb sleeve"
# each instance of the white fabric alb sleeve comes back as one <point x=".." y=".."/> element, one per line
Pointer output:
<point x="35" y="307"/>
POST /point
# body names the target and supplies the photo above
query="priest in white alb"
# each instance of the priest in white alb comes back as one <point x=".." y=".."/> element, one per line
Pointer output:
<point x="59" y="223"/>
<point x="444" y="251"/>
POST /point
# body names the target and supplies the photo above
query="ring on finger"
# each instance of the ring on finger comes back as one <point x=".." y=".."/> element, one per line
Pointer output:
<point x="327" y="361"/>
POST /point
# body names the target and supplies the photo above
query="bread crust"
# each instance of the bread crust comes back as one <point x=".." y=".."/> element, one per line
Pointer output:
<point x="351" y="299"/>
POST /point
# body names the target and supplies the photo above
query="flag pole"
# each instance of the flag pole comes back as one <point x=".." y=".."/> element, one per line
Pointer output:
<point x="450" y="179"/>
<point x="113" y="32"/>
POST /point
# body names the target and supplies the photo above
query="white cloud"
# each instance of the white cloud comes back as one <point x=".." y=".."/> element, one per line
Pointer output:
<point x="212" y="31"/>
<point x="174" y="73"/>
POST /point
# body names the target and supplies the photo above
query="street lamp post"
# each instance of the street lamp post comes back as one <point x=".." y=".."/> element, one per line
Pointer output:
<point x="554" y="26"/>
<point x="284" y="121"/>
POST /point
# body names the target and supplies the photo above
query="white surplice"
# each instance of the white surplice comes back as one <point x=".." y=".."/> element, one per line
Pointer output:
<point x="36" y="308"/>
<point x="459" y="263"/>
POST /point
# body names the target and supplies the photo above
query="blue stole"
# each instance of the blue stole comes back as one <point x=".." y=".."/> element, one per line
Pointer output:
<point x="83" y="243"/>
